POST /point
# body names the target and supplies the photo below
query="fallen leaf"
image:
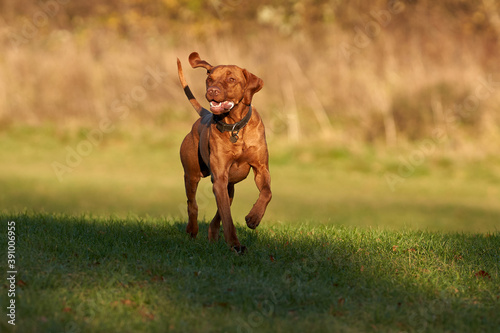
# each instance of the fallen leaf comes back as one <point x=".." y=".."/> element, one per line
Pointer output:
<point x="271" y="257"/>
<point x="127" y="302"/>
<point x="362" y="268"/>
<point x="395" y="248"/>
<point x="21" y="283"/>
<point x="146" y="315"/>
<point x="67" y="309"/>
<point x="341" y="301"/>
<point x="482" y="274"/>
<point x="157" y="278"/>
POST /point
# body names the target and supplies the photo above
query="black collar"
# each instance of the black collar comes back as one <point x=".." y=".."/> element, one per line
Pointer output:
<point x="233" y="128"/>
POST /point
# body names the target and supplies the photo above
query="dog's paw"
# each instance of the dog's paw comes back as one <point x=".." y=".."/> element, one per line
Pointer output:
<point x="253" y="220"/>
<point x="193" y="232"/>
<point x="213" y="234"/>
<point x="212" y="238"/>
<point x="241" y="249"/>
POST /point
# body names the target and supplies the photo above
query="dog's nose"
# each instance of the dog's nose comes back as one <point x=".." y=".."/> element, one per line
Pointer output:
<point x="213" y="92"/>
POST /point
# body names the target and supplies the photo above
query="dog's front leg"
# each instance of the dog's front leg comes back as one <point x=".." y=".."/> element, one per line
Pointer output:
<point x="213" y="229"/>
<point x="220" y="187"/>
<point x="263" y="182"/>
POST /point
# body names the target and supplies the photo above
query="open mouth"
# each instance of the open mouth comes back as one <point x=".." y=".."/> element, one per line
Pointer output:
<point x="221" y="107"/>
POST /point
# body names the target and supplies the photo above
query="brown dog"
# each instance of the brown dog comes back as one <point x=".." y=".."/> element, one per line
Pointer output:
<point x="225" y="144"/>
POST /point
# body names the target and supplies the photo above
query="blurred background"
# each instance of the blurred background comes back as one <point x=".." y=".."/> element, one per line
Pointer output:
<point x="378" y="114"/>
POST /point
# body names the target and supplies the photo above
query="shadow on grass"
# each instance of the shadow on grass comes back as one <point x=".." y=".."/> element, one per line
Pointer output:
<point x="94" y="274"/>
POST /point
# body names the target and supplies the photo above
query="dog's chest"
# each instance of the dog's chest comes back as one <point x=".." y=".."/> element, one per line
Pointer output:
<point x="239" y="170"/>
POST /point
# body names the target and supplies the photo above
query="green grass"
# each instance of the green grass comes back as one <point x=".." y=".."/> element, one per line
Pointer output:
<point x="108" y="274"/>
<point x="105" y="249"/>
<point x="137" y="171"/>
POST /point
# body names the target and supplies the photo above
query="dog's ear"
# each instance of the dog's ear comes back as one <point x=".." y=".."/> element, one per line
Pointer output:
<point x="254" y="84"/>
<point x="195" y="61"/>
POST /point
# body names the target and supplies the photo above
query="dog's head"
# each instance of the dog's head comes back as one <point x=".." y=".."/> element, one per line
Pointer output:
<point x="227" y="85"/>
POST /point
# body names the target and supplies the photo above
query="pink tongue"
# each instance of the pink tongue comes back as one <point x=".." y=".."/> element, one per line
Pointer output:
<point x="220" y="107"/>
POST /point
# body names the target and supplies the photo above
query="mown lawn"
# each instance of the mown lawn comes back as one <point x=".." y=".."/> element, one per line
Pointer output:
<point x="104" y="249"/>
<point x="137" y="171"/>
<point x="106" y="274"/>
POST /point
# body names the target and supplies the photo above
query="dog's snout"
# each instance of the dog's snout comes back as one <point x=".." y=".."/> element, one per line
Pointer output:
<point x="213" y="92"/>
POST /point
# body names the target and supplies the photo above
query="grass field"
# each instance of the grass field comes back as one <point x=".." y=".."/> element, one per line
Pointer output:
<point x="95" y="274"/>
<point x="104" y="250"/>
<point x="138" y="172"/>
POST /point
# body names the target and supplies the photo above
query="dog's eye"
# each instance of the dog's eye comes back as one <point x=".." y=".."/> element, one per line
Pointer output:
<point x="231" y="80"/>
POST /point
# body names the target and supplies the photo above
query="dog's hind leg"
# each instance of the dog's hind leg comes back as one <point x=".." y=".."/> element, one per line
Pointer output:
<point x="191" y="183"/>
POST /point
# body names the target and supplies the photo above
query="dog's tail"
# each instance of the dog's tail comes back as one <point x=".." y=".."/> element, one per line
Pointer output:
<point x="197" y="106"/>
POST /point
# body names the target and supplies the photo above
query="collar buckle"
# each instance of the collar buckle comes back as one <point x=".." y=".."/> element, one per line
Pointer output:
<point x="233" y="128"/>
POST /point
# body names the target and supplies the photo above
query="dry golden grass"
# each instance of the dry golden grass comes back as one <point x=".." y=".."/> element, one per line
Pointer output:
<point x="385" y="73"/>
